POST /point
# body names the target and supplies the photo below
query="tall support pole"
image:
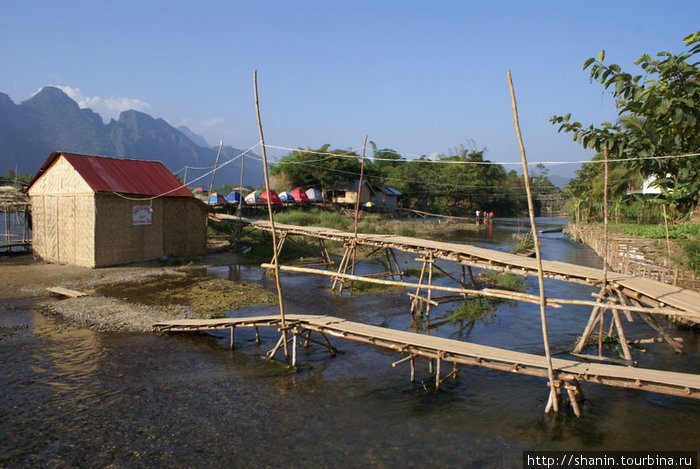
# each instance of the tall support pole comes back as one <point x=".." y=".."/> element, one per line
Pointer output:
<point x="553" y="398"/>
<point x="605" y="244"/>
<point x="216" y="166"/>
<point x="357" y="206"/>
<point x="239" y="211"/>
<point x="275" y="259"/>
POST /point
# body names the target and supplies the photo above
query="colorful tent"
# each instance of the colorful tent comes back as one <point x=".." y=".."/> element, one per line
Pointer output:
<point x="274" y="198"/>
<point x="233" y="197"/>
<point x="299" y="195"/>
<point x="216" y="199"/>
<point x="199" y="190"/>
<point x="314" y="195"/>
<point x="286" y="197"/>
<point x="253" y="198"/>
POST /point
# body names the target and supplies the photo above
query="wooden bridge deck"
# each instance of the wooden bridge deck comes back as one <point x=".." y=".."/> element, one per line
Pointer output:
<point x="648" y="291"/>
<point x="459" y="352"/>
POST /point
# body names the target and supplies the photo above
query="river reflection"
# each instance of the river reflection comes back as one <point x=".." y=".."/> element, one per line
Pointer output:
<point x="74" y="397"/>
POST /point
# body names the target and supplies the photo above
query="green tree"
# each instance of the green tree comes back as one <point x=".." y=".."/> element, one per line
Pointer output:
<point x="322" y="167"/>
<point x="659" y="115"/>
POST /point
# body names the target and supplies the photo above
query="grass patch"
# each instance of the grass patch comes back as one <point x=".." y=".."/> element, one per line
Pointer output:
<point x="503" y="280"/>
<point x="473" y="310"/>
<point x="659" y="231"/>
<point x="315" y="217"/>
<point x="209" y="298"/>
<point x="359" y="286"/>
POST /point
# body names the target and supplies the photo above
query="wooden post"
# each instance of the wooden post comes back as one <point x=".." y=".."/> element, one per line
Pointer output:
<point x="553" y="398"/>
<point x="275" y="259"/>
<point x="233" y="328"/>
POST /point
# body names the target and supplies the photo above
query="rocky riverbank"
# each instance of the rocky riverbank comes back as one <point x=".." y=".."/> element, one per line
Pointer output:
<point x="129" y="298"/>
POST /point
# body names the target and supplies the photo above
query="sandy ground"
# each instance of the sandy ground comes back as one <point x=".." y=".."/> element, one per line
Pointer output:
<point x="23" y="277"/>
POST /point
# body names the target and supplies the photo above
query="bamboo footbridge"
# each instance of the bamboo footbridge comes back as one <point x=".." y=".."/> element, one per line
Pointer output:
<point x="659" y="297"/>
<point x="437" y="349"/>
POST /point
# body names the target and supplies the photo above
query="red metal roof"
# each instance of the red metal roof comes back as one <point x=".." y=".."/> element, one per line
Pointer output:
<point x="126" y="176"/>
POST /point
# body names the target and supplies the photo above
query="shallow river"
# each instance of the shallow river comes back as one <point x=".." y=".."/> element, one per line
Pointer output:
<point x="74" y="397"/>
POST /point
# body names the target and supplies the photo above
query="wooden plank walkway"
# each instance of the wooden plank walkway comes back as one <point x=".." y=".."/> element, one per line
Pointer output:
<point x="648" y="291"/>
<point x="459" y="352"/>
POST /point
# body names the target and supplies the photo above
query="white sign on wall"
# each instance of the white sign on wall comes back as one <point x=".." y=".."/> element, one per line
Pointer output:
<point x="142" y="215"/>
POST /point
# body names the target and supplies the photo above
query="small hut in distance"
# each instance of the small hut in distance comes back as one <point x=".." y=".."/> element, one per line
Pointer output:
<point x="96" y="211"/>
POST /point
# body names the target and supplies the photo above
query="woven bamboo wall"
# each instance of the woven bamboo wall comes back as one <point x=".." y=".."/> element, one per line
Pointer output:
<point x="118" y="240"/>
<point x="185" y="225"/>
<point x="62" y="227"/>
<point x="178" y="228"/>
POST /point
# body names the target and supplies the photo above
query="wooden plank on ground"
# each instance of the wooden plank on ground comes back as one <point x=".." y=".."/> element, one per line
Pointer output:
<point x="67" y="292"/>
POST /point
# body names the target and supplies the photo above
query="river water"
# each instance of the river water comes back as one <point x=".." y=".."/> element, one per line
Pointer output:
<point x="75" y="397"/>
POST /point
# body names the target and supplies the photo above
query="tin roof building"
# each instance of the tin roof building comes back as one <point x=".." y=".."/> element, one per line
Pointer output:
<point x="95" y="211"/>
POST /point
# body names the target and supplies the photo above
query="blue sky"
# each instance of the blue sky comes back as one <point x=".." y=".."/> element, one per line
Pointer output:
<point x="418" y="77"/>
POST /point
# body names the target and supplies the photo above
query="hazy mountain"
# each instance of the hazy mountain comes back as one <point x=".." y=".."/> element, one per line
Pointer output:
<point x="51" y="121"/>
<point x="197" y="139"/>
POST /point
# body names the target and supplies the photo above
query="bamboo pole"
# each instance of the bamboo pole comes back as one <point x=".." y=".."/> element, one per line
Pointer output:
<point x="357" y="207"/>
<point x="275" y="259"/>
<point x="490" y="292"/>
<point x="540" y="275"/>
<point x="216" y="165"/>
<point x="605" y="244"/>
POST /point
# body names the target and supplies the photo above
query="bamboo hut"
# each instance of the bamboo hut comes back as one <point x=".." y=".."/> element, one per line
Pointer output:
<point x="347" y="194"/>
<point x="15" y="216"/>
<point x="96" y="211"/>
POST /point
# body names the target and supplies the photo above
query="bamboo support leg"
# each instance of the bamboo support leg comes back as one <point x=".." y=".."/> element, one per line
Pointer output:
<point x="621" y="336"/>
<point x="390" y="268"/>
<point x="463" y="279"/>
<point x="553" y="401"/>
<point x="294" y="348"/>
<point x="437" y="375"/>
<point x="430" y="291"/>
<point x="654" y="324"/>
<point x="601" y="324"/>
<point x="590" y="326"/>
<point x="472" y="280"/>
<point x="233" y="328"/>
<point x="331" y="349"/>
<point x="324" y="252"/>
<point x="257" y="335"/>
<point x="413" y="370"/>
<point x="342" y="268"/>
<point x="416" y="301"/>
<point x="571" y="390"/>
<point x="396" y="263"/>
<point x="271" y="353"/>
<point x="431" y="369"/>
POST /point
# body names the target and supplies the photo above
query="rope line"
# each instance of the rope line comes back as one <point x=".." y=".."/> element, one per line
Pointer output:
<point x="444" y="161"/>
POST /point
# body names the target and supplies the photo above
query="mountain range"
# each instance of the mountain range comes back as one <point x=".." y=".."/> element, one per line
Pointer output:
<point x="51" y="121"/>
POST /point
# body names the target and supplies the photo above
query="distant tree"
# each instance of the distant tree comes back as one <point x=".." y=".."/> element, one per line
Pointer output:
<point x="15" y="179"/>
<point x="322" y="167"/>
